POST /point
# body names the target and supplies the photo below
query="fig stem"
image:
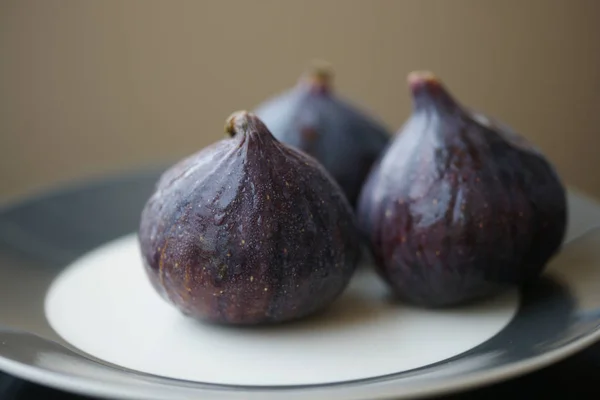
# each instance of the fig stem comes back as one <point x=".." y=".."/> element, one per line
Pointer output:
<point x="236" y="122"/>
<point x="245" y="123"/>
<point x="420" y="79"/>
<point x="429" y="91"/>
<point x="319" y="75"/>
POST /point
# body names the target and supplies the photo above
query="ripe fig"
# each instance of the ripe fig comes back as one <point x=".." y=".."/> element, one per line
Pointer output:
<point x="248" y="231"/>
<point x="311" y="117"/>
<point x="459" y="207"/>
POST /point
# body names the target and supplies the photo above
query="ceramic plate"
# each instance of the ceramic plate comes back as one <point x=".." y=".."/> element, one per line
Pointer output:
<point x="77" y="313"/>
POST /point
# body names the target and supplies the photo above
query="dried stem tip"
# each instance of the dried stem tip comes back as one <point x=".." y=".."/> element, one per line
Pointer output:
<point x="319" y="74"/>
<point x="429" y="91"/>
<point x="245" y="123"/>
<point x="420" y="79"/>
<point x="238" y="121"/>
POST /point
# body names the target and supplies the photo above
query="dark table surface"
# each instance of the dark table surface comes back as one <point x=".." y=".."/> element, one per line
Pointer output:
<point x="577" y="377"/>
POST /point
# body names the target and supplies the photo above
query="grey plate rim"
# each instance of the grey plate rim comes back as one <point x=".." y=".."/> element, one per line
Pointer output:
<point x="91" y="387"/>
<point x="392" y="388"/>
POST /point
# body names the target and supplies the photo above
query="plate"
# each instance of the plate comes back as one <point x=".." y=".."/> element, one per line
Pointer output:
<point x="77" y="313"/>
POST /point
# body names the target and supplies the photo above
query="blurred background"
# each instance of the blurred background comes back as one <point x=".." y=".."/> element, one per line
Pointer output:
<point x="96" y="87"/>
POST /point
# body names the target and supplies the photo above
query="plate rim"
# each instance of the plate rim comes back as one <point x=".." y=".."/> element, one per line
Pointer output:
<point x="393" y="385"/>
<point x="85" y="386"/>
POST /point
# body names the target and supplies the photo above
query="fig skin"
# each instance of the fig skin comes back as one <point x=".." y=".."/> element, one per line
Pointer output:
<point x="311" y="117"/>
<point x="460" y="207"/>
<point x="248" y="231"/>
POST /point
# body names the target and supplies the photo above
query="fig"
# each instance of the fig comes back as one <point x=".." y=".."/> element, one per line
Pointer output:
<point x="460" y="207"/>
<point x="311" y="117"/>
<point x="248" y="231"/>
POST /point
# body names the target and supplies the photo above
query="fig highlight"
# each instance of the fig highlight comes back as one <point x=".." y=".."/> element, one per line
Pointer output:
<point x="460" y="207"/>
<point x="248" y="231"/>
<point x="311" y="117"/>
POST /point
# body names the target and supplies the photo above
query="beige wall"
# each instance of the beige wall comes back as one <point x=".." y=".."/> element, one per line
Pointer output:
<point x="89" y="87"/>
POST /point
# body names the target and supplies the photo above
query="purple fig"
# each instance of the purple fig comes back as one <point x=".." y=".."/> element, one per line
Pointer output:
<point x="248" y="231"/>
<point x="311" y="117"/>
<point x="459" y="207"/>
